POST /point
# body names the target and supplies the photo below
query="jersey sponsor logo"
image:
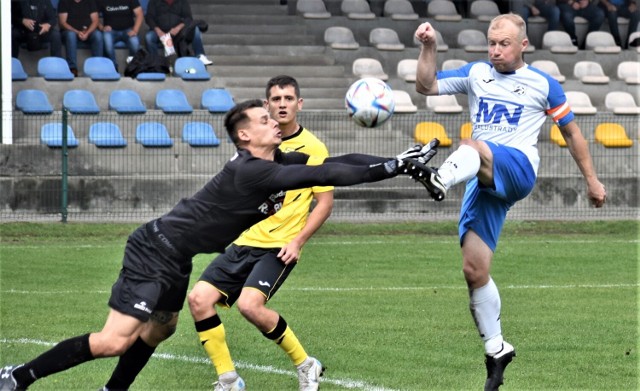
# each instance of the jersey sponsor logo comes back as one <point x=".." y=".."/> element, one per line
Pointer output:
<point x="142" y="306"/>
<point x="519" y="89"/>
<point x="497" y="115"/>
<point x="264" y="283"/>
<point x="273" y="204"/>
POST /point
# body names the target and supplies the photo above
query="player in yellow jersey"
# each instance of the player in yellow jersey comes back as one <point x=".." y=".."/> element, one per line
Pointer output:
<point x="252" y="269"/>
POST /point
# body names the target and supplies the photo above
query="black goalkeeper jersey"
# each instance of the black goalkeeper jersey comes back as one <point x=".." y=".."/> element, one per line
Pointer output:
<point x="249" y="189"/>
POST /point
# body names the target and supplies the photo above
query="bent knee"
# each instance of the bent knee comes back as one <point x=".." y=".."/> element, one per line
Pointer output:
<point x="200" y="302"/>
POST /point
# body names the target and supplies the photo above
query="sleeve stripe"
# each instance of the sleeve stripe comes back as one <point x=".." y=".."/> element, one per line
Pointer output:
<point x="559" y="112"/>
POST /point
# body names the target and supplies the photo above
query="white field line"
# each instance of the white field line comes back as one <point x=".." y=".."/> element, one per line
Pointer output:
<point x="344" y="383"/>
<point x="363" y="289"/>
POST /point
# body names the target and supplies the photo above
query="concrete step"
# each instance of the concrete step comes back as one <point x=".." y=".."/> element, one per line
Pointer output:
<point x="269" y="50"/>
<point x="258" y="39"/>
<point x="270" y="60"/>
<point x="307" y="93"/>
<point x="304" y="82"/>
<point x="293" y="70"/>
<point x="236" y="8"/>
<point x="237" y="2"/>
<point x="248" y="20"/>
<point x="256" y="29"/>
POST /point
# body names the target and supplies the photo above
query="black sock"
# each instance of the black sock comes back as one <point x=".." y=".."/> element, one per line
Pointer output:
<point x="64" y="355"/>
<point x="129" y="365"/>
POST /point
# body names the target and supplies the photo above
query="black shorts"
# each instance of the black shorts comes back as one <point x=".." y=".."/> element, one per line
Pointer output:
<point x="153" y="277"/>
<point x="246" y="267"/>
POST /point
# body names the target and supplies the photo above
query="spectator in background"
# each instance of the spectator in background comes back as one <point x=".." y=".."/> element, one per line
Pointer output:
<point x="79" y="21"/>
<point x="171" y="16"/>
<point x="587" y="9"/>
<point x="624" y="8"/>
<point x="34" y="22"/>
<point x="545" y="8"/>
<point x="121" y="21"/>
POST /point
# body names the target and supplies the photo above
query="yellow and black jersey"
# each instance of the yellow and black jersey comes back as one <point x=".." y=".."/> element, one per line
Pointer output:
<point x="280" y="228"/>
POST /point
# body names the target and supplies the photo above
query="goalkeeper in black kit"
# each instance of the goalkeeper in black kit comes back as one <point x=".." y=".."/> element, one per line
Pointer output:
<point x="153" y="282"/>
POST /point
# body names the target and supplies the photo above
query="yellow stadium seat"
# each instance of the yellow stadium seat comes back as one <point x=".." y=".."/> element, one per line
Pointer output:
<point x="466" y="129"/>
<point x="556" y="136"/>
<point x="612" y="135"/>
<point x="426" y="131"/>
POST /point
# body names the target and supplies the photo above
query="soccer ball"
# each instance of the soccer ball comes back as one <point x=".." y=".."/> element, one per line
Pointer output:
<point x="370" y="102"/>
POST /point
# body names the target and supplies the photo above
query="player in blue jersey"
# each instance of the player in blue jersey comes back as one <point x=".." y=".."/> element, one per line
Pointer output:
<point x="508" y="103"/>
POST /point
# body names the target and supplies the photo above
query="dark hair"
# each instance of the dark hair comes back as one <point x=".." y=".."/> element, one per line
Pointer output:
<point x="237" y="117"/>
<point x="282" y="81"/>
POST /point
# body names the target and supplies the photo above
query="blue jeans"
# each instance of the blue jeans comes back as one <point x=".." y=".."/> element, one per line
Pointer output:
<point x="152" y="41"/>
<point x="114" y="36"/>
<point x="70" y="40"/>
<point x="624" y="12"/>
<point x="548" y="10"/>
<point x="593" y="14"/>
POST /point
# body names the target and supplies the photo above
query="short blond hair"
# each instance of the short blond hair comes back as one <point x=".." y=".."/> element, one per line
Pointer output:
<point x="515" y="19"/>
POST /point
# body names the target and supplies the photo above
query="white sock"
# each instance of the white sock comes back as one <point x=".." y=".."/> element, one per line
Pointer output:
<point x="485" y="308"/>
<point x="462" y="165"/>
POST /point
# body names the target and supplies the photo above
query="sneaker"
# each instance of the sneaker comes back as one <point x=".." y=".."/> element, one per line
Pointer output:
<point x="129" y="59"/>
<point x="204" y="60"/>
<point x="428" y="177"/>
<point x="236" y="385"/>
<point x="309" y="373"/>
<point x="496" y="365"/>
<point x="74" y="71"/>
<point x="7" y="381"/>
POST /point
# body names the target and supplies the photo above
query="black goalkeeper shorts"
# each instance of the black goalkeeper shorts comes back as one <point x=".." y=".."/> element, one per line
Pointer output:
<point x="246" y="267"/>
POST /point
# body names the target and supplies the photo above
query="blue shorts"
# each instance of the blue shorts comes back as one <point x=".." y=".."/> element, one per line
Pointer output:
<point x="485" y="209"/>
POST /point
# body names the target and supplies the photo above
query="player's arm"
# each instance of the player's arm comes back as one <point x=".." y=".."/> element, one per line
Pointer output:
<point x="320" y="213"/>
<point x="426" y="82"/>
<point x="580" y="152"/>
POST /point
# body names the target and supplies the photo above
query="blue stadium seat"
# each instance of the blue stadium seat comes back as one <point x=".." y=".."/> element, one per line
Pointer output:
<point x="106" y="134"/>
<point x="17" y="70"/>
<point x="80" y="102"/>
<point x="217" y="100"/>
<point x="199" y="134"/>
<point x="54" y="68"/>
<point x="126" y="102"/>
<point x="151" y="76"/>
<point x="190" y="68"/>
<point x="33" y="102"/>
<point x="153" y="134"/>
<point x="100" y="68"/>
<point x="173" y="102"/>
<point x="51" y="135"/>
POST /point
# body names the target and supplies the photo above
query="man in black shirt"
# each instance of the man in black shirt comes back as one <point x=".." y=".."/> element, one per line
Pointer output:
<point x="79" y="21"/>
<point x="121" y="22"/>
<point x="34" y="22"/>
<point x="153" y="281"/>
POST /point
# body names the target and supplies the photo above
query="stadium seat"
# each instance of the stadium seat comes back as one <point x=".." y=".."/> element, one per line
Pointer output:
<point x="217" y="100"/>
<point x="472" y="40"/>
<point x="427" y="131"/>
<point x="407" y="69"/>
<point x="403" y="102"/>
<point x="54" y="68"/>
<point x="383" y="38"/>
<point x="621" y="102"/>
<point x="580" y="103"/>
<point x="556" y="136"/>
<point x="601" y="42"/>
<point x="173" y="101"/>
<point x="399" y="10"/>
<point x="369" y="67"/>
<point x="590" y="72"/>
<point x="151" y="76"/>
<point x="153" y="134"/>
<point x="484" y="10"/>
<point x="357" y="9"/>
<point x="443" y="104"/>
<point x="629" y="72"/>
<point x="312" y="9"/>
<point x="443" y="10"/>
<point x="441" y="45"/>
<point x="551" y="68"/>
<point x="612" y="135"/>
<point x="17" y="70"/>
<point x="453" y="63"/>
<point x="558" y="42"/>
<point x="126" y="102"/>
<point x="33" y="102"/>
<point x="100" y="69"/>
<point x="191" y="68"/>
<point x="199" y="134"/>
<point x="80" y="102"/>
<point x="338" y="37"/>
<point x="466" y="130"/>
<point x="51" y="135"/>
<point x="106" y="135"/>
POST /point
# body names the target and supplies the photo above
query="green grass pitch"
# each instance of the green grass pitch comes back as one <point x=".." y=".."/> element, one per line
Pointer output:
<point x="383" y="306"/>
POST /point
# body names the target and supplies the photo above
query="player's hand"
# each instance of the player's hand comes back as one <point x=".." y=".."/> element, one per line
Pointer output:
<point x="597" y="193"/>
<point x="289" y="253"/>
<point x="426" y="34"/>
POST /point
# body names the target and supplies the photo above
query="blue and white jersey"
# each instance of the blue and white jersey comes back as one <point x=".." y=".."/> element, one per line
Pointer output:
<point x="508" y="108"/>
